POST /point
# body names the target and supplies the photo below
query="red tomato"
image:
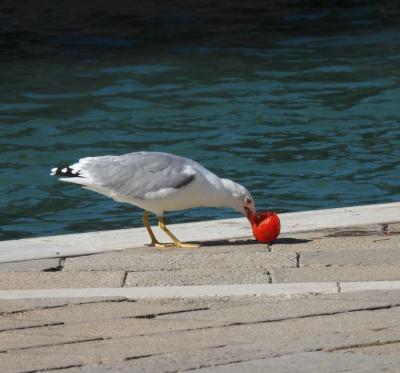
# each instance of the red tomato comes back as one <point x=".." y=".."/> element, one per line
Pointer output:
<point x="266" y="226"/>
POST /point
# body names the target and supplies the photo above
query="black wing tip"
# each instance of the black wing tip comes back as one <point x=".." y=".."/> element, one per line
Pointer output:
<point x="65" y="171"/>
<point x="185" y="182"/>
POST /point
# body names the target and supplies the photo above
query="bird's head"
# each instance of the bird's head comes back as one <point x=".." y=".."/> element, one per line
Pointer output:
<point x="240" y="199"/>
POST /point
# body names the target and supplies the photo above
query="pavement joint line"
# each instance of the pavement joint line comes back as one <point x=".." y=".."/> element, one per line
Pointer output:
<point x="306" y="351"/>
<point x="283" y="319"/>
<point x="246" y="360"/>
<point x="55" y="344"/>
<point x="64" y="246"/>
<point x="66" y="304"/>
<point x="58" y="323"/>
<point x="155" y="315"/>
<point x="362" y="345"/>
<point x="294" y="288"/>
<point x="123" y="280"/>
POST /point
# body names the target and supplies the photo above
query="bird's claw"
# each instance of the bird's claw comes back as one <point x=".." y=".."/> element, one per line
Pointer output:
<point x="160" y="245"/>
<point x="181" y="245"/>
<point x="185" y="245"/>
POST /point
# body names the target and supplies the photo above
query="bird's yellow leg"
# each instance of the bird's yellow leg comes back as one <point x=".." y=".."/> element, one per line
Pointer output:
<point x="177" y="242"/>
<point x="154" y="241"/>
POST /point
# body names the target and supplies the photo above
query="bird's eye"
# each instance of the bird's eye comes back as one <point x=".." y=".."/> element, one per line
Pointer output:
<point x="247" y="200"/>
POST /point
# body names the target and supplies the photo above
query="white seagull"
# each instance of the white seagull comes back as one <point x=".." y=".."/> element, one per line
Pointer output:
<point x="157" y="182"/>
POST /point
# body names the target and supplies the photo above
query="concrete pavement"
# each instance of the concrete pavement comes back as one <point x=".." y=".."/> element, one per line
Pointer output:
<point x="216" y="230"/>
<point x="321" y="300"/>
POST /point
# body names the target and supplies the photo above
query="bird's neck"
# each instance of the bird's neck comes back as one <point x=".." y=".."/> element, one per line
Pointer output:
<point x="230" y="193"/>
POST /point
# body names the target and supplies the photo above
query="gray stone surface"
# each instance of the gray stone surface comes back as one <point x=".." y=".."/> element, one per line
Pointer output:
<point x="8" y="306"/>
<point x="306" y="362"/>
<point x="394" y="228"/>
<point x="31" y="362"/>
<point x="352" y="257"/>
<point x="197" y="347"/>
<point x="198" y="277"/>
<point x="31" y="265"/>
<point x="102" y="310"/>
<point x="55" y="280"/>
<point x="295" y="362"/>
<point x="207" y="258"/>
<point x="302" y="306"/>
<point x="327" y="240"/>
<point x="331" y="332"/>
<point x="337" y="273"/>
<point x="189" y="334"/>
<point x="89" y="243"/>
<point x="24" y="336"/>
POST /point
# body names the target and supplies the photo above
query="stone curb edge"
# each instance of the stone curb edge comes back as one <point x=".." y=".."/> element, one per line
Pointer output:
<point x="96" y="242"/>
<point x="297" y="288"/>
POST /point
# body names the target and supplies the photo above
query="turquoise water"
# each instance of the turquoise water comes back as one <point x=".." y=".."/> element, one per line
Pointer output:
<point x="305" y="120"/>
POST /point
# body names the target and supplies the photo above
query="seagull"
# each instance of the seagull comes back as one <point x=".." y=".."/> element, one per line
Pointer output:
<point x="157" y="182"/>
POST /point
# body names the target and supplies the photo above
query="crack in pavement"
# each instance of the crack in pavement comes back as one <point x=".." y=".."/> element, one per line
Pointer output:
<point x="137" y="357"/>
<point x="33" y="326"/>
<point x="54" y="344"/>
<point x="5" y="313"/>
<point x="331" y="350"/>
<point x="168" y="352"/>
<point x="53" y="368"/>
<point x="123" y="280"/>
<point x="154" y="315"/>
<point x="362" y="345"/>
<point x="361" y="309"/>
<point x="252" y="359"/>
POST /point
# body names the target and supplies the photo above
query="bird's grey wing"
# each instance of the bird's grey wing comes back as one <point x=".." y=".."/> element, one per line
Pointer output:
<point x="144" y="175"/>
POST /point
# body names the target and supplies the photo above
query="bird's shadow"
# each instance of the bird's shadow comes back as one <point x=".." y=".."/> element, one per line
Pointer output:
<point x="291" y="241"/>
<point x="282" y="241"/>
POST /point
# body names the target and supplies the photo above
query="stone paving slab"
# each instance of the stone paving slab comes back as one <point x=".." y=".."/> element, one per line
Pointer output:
<point x="31" y="362"/>
<point x="338" y="232"/>
<point x="282" y="309"/>
<point x="322" y="241"/>
<point x="237" y="333"/>
<point x="89" y="243"/>
<point x="187" y="291"/>
<point x="198" y="277"/>
<point x="9" y="325"/>
<point x="251" y="309"/>
<point x="352" y="257"/>
<point x="249" y="333"/>
<point x="375" y="350"/>
<point x="54" y="280"/>
<point x="296" y="362"/>
<point x="17" y="340"/>
<point x="351" y="287"/>
<point x="306" y="362"/>
<point x="227" y="310"/>
<point x="195" y="348"/>
<point x="103" y="310"/>
<point x="8" y="306"/>
<point x="336" y="273"/>
<point x="52" y="264"/>
<point x="243" y="256"/>
<point x="29" y="337"/>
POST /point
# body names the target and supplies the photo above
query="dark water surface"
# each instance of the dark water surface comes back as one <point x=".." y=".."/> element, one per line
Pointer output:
<point x="305" y="117"/>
